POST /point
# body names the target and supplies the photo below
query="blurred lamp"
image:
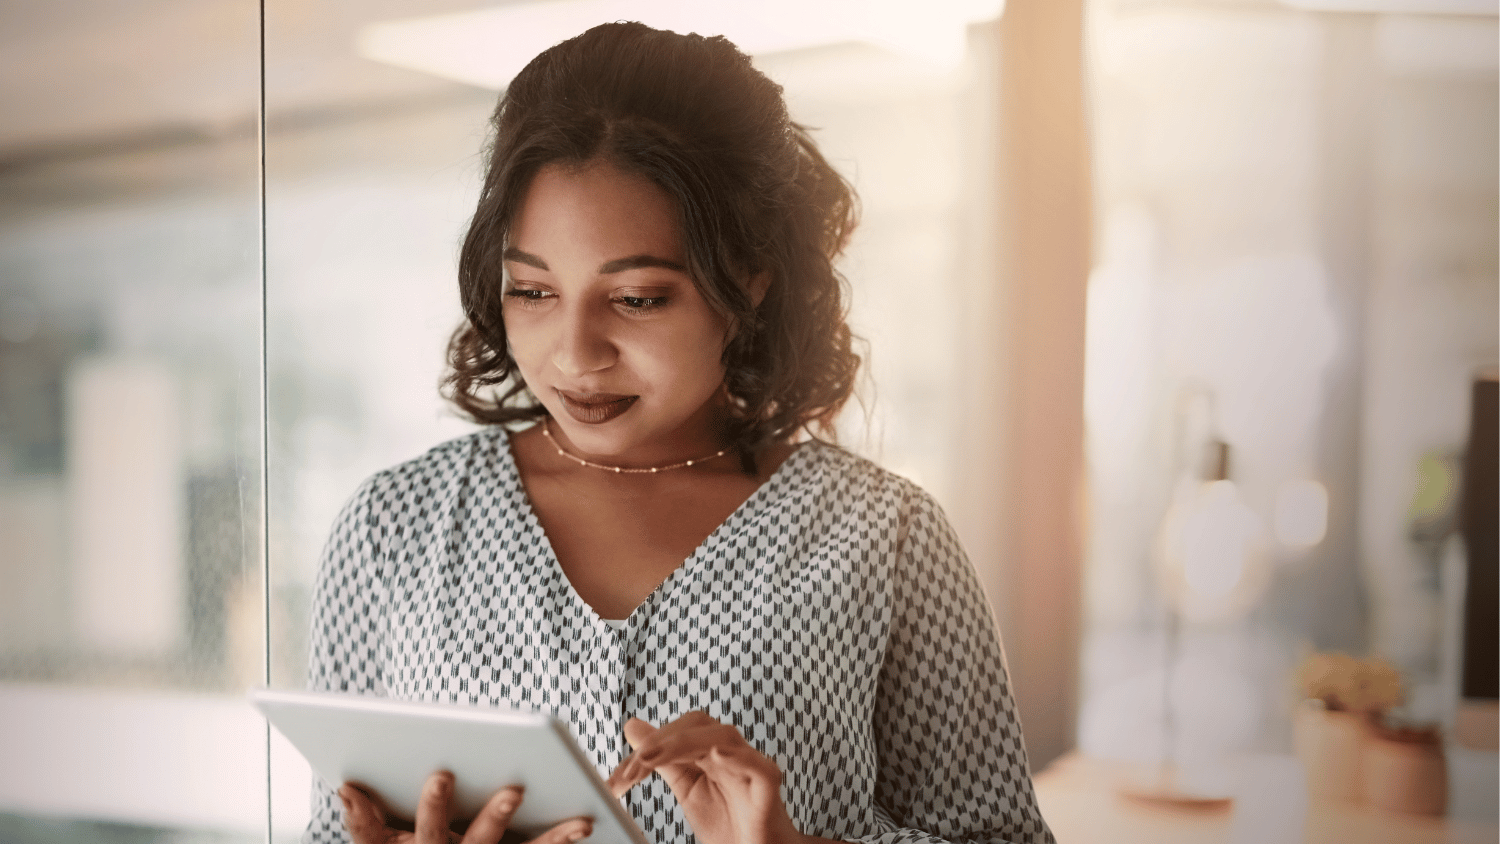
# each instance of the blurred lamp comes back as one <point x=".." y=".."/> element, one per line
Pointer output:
<point x="1301" y="518"/>
<point x="1212" y="545"/>
<point x="1212" y="564"/>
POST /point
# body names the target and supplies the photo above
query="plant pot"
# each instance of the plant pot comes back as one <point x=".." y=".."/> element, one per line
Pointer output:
<point x="1405" y="772"/>
<point x="1330" y="744"/>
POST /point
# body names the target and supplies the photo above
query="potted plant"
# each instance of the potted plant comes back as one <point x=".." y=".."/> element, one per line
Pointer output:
<point x="1404" y="769"/>
<point x="1344" y="698"/>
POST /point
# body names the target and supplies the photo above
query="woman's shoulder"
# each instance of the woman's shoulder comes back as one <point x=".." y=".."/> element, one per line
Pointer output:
<point x="841" y="495"/>
<point x="846" y="478"/>
<point x="483" y="455"/>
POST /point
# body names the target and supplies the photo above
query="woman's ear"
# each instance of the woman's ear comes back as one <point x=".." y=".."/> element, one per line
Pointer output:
<point x="758" y="285"/>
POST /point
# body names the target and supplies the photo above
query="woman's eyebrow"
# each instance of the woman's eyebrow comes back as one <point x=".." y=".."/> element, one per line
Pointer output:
<point x="618" y="265"/>
<point x="637" y="262"/>
<point x="513" y="254"/>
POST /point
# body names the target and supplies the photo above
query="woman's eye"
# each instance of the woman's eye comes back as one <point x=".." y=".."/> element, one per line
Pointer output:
<point x="642" y="303"/>
<point x="526" y="294"/>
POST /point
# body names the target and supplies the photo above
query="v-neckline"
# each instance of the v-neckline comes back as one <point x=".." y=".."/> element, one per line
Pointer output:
<point x="692" y="561"/>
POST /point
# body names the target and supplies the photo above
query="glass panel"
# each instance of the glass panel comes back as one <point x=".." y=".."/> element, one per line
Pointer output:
<point x="130" y="620"/>
<point x="1297" y="219"/>
<point x="373" y="172"/>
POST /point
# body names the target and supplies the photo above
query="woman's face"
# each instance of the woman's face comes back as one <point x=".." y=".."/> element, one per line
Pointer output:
<point x="604" y="322"/>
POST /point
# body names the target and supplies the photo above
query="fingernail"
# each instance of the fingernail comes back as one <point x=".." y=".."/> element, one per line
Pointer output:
<point x="577" y="835"/>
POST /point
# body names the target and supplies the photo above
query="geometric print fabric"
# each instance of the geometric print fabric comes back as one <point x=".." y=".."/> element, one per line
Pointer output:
<point x="833" y="618"/>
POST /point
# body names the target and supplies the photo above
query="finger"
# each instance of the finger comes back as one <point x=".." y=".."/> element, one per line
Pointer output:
<point x="674" y="751"/>
<point x="630" y="772"/>
<point x="492" y="821"/>
<point x="362" y="816"/>
<point x="750" y="775"/>
<point x="638" y="730"/>
<point x="652" y="746"/>
<point x="642" y="735"/>
<point x="432" y="809"/>
<point x="646" y="740"/>
<point x="566" y="832"/>
<point x="668" y="746"/>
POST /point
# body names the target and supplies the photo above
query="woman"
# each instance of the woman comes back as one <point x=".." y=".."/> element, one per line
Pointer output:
<point x="756" y="639"/>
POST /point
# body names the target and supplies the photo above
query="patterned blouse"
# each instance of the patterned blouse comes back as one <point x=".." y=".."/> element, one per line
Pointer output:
<point x="833" y="618"/>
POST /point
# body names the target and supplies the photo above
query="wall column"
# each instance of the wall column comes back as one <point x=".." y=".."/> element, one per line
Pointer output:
<point x="1024" y="447"/>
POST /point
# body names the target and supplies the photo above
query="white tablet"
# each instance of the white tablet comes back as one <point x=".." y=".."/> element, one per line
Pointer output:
<point x="393" y="746"/>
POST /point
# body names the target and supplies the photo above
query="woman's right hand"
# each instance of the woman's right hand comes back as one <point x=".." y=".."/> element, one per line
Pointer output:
<point x="365" y="817"/>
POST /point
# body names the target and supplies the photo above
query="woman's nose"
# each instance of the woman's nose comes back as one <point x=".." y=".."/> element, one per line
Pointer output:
<point x="583" y="345"/>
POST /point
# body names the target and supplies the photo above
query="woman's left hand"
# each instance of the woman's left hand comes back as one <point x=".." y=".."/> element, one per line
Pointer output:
<point x="729" y="791"/>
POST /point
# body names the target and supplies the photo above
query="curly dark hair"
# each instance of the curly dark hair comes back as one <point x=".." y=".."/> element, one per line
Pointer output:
<point x="753" y="194"/>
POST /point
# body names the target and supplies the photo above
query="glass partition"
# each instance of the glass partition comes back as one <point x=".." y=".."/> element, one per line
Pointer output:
<point x="130" y="459"/>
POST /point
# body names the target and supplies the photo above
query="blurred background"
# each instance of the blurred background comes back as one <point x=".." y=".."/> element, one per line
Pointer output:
<point x="1099" y="239"/>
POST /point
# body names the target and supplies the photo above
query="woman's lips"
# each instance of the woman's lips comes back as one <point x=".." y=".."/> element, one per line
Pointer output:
<point x="595" y="408"/>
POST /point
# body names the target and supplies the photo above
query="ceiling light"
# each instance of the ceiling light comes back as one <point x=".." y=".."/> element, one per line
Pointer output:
<point x="488" y="47"/>
<point x="1400" y="7"/>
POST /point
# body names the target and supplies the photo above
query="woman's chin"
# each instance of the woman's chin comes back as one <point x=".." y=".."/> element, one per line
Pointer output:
<point x="607" y="442"/>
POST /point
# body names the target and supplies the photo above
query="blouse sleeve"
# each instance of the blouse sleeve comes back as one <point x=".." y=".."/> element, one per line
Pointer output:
<point x="952" y="763"/>
<point x="345" y="634"/>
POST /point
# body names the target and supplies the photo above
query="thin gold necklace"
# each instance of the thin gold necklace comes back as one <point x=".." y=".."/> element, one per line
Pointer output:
<point x="623" y="470"/>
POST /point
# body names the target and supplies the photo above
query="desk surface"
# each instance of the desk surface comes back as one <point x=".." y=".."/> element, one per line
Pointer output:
<point x="1082" y="801"/>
